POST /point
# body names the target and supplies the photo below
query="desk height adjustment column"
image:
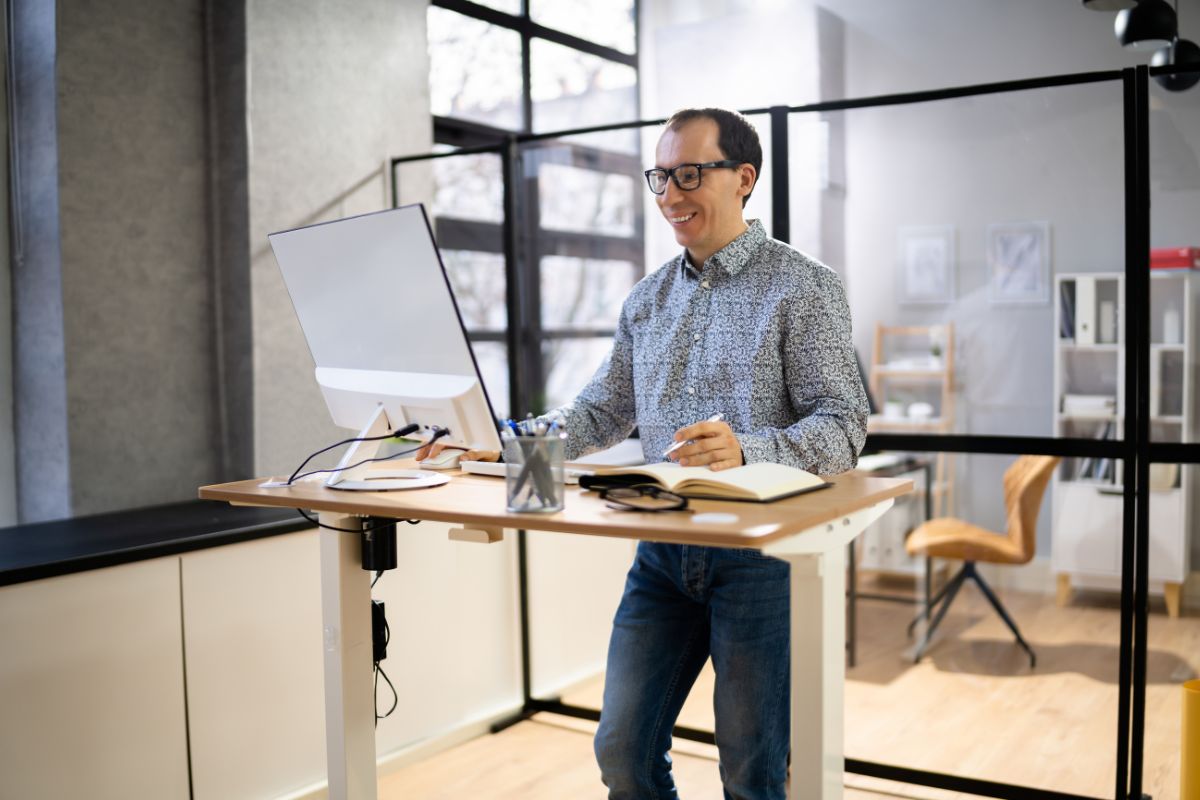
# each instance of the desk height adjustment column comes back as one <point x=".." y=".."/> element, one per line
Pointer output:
<point x="349" y="650"/>
<point x="818" y="628"/>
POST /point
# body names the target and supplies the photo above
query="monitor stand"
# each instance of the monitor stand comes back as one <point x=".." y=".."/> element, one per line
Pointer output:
<point x="370" y="477"/>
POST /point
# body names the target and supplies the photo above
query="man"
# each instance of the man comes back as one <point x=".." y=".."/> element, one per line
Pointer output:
<point x="744" y="326"/>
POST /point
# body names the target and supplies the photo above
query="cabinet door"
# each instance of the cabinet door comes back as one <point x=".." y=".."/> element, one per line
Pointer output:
<point x="252" y="613"/>
<point x="91" y="673"/>
<point x="1167" y="561"/>
<point x="1087" y="530"/>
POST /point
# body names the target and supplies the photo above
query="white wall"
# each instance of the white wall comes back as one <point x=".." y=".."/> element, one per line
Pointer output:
<point x="1052" y="155"/>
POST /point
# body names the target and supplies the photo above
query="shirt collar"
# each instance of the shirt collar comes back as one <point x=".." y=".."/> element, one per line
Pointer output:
<point x="733" y="256"/>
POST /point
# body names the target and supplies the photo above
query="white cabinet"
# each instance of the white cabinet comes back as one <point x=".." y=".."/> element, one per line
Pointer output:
<point x="91" y="673"/>
<point x="1089" y="382"/>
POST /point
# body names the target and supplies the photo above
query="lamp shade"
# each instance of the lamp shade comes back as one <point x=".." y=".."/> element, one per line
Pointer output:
<point x="1180" y="53"/>
<point x="1147" y="26"/>
<point x="1109" y="5"/>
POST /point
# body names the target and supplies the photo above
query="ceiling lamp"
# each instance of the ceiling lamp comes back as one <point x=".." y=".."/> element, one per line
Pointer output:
<point x="1149" y="25"/>
<point x="1109" y="5"/>
<point x="1180" y="53"/>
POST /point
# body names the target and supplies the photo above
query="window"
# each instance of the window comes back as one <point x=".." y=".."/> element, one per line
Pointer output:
<point x="535" y="66"/>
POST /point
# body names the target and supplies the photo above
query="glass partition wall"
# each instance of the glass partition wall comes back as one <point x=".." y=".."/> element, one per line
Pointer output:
<point x="1020" y="356"/>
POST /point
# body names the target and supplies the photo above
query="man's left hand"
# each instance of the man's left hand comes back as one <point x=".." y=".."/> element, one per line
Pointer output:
<point x="713" y="445"/>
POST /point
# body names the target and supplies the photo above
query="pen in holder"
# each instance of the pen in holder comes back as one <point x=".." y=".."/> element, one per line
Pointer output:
<point x="534" y="473"/>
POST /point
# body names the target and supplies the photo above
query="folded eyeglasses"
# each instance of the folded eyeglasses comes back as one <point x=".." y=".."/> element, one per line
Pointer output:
<point x="642" y="497"/>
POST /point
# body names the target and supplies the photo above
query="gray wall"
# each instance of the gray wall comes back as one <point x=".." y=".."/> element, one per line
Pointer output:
<point x="8" y="475"/>
<point x="335" y="89"/>
<point x="138" y="322"/>
<point x="183" y="136"/>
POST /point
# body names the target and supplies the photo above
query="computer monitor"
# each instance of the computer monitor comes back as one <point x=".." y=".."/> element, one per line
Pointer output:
<point x="375" y="304"/>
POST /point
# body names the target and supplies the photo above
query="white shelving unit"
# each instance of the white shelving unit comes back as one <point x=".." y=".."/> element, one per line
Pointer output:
<point x="911" y="363"/>
<point x="1089" y="370"/>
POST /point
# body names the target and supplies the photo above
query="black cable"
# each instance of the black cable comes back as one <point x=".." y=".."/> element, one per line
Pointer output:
<point x="396" y="434"/>
<point x="378" y="575"/>
<point x="296" y="477"/>
<point x="387" y="637"/>
<point x="387" y="524"/>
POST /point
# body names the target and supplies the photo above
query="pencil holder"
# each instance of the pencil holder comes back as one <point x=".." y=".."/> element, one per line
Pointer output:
<point x="534" y="473"/>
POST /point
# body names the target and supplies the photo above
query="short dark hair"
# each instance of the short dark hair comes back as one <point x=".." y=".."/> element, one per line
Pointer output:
<point x="735" y="136"/>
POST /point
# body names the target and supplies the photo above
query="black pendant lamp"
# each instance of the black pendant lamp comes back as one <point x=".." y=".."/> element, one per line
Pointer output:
<point x="1109" y="5"/>
<point x="1179" y="53"/>
<point x="1149" y="25"/>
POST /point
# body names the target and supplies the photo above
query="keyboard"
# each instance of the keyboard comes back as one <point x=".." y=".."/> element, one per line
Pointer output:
<point x="496" y="469"/>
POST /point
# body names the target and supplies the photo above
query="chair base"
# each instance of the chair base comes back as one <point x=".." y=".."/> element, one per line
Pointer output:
<point x="945" y="596"/>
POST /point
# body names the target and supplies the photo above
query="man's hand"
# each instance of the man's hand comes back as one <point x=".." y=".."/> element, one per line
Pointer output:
<point x="713" y="444"/>
<point x="470" y="455"/>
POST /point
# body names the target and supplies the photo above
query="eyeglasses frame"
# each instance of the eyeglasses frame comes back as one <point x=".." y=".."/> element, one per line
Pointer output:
<point x="643" y="490"/>
<point x="727" y="163"/>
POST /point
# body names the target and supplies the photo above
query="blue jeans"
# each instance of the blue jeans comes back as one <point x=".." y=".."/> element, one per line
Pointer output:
<point x="681" y="605"/>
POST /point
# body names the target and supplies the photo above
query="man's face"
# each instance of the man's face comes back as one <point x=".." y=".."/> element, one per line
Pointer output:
<point x="706" y="218"/>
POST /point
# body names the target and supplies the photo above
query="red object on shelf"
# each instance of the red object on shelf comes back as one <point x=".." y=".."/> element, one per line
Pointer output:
<point x="1175" y="258"/>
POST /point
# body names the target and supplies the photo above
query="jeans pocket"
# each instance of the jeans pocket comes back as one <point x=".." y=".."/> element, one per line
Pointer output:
<point x="752" y="554"/>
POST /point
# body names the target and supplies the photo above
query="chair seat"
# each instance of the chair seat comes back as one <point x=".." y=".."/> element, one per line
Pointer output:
<point x="948" y="537"/>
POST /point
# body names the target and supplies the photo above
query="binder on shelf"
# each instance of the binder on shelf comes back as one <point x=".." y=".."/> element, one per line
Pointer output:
<point x="1085" y="311"/>
<point x="1066" y="316"/>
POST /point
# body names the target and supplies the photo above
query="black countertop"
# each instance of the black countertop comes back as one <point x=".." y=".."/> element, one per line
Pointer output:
<point x="46" y="549"/>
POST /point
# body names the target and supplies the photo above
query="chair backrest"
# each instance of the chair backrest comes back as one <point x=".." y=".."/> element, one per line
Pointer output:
<point x="1024" y="486"/>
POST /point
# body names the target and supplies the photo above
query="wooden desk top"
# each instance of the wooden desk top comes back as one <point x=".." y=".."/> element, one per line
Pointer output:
<point x="479" y="500"/>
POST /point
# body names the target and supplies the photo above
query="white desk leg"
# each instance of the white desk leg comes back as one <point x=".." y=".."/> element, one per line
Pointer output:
<point x="818" y="618"/>
<point x="349" y="693"/>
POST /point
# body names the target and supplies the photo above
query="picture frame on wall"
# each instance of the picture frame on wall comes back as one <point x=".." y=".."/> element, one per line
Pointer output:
<point x="1018" y="257"/>
<point x="926" y="263"/>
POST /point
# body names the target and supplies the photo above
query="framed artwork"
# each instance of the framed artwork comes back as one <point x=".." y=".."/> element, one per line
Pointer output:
<point x="926" y="264"/>
<point x="1018" y="257"/>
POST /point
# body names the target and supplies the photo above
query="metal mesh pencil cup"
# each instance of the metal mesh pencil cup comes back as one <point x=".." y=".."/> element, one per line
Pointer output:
<point x="534" y="473"/>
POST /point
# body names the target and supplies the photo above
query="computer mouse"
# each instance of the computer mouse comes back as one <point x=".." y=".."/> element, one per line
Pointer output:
<point x="447" y="459"/>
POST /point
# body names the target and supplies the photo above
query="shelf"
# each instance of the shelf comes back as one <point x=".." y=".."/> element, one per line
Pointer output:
<point x="1167" y="348"/>
<point x="907" y="372"/>
<point x="1169" y="419"/>
<point x="1086" y="416"/>
<point x="880" y="424"/>
<point x="1069" y="344"/>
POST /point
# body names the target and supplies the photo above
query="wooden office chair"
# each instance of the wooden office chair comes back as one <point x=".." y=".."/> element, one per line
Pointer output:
<point x="1024" y="486"/>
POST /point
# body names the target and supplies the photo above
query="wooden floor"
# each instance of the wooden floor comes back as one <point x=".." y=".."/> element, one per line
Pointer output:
<point x="972" y="707"/>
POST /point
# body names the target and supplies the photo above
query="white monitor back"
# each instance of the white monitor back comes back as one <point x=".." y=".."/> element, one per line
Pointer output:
<point x="375" y="304"/>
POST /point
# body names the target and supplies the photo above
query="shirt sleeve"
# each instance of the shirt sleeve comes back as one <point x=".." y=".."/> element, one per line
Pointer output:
<point x="823" y="382"/>
<point x="605" y="412"/>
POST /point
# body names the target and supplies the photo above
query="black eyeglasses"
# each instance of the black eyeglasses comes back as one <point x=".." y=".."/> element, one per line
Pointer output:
<point x="686" y="176"/>
<point x="643" y="498"/>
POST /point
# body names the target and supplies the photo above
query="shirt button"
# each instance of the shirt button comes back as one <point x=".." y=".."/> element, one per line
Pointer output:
<point x="705" y="284"/>
<point x="691" y="390"/>
<point x="696" y="337"/>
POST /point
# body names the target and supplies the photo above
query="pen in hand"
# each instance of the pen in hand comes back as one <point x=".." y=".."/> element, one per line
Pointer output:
<point x="677" y="445"/>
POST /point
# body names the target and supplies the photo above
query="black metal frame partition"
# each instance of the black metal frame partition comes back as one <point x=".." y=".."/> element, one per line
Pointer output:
<point x="1135" y="449"/>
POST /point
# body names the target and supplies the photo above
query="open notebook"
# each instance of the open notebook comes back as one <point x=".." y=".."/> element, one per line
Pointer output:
<point x="759" y="483"/>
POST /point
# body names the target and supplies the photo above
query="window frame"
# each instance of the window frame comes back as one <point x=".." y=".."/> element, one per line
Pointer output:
<point x="524" y="243"/>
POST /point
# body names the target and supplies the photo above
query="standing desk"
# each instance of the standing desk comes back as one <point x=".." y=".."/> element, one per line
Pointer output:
<point x="810" y="531"/>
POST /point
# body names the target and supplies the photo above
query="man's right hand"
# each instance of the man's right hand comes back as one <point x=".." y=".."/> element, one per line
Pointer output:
<point x="430" y="450"/>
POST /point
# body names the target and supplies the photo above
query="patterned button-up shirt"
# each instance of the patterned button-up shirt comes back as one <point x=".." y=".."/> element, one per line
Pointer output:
<point x="760" y="334"/>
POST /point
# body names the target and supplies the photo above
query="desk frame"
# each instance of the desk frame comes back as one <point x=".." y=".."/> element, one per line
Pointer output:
<point x="816" y="553"/>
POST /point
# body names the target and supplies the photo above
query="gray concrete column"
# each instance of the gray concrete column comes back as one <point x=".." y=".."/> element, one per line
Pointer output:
<point x="39" y="360"/>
